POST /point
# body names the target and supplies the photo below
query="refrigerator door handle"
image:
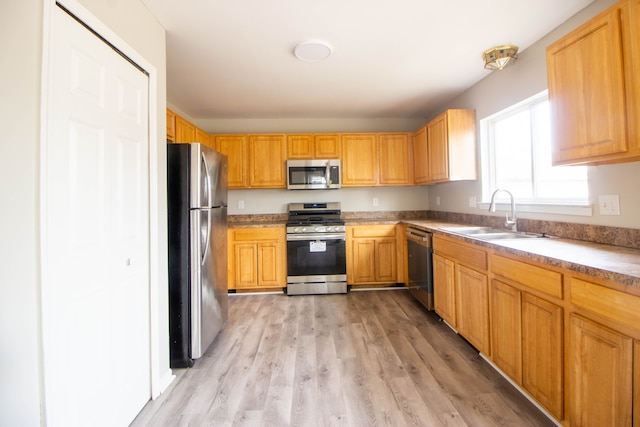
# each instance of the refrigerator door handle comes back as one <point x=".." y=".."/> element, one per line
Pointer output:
<point x="207" y="240"/>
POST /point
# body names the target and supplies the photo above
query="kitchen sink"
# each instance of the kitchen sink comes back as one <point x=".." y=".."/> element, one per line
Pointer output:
<point x="488" y="233"/>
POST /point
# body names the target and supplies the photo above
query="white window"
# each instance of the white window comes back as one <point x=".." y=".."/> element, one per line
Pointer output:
<point x="516" y="146"/>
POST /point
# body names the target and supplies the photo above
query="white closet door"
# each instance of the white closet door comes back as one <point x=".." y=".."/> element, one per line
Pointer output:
<point x="95" y="233"/>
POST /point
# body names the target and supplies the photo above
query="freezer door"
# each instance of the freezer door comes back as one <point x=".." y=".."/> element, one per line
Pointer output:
<point x="208" y="284"/>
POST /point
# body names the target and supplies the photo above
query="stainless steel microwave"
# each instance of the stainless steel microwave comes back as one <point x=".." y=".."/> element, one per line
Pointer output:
<point x="313" y="174"/>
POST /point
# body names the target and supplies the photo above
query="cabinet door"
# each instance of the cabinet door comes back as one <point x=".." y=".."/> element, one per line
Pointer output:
<point x="395" y="159"/>
<point x="444" y="294"/>
<point x="327" y="146"/>
<point x="185" y="131"/>
<point x="542" y="352"/>
<point x="363" y="260"/>
<point x="588" y="107"/>
<point x="420" y="157"/>
<point x="359" y="160"/>
<point x="385" y="261"/>
<point x="300" y="146"/>
<point x="472" y="306"/>
<point x="438" y="153"/>
<point x="269" y="265"/>
<point x="506" y="336"/>
<point x="245" y="265"/>
<point x="171" y="125"/>
<point x="203" y="138"/>
<point x="600" y="372"/>
<point x="267" y="156"/>
<point x="236" y="148"/>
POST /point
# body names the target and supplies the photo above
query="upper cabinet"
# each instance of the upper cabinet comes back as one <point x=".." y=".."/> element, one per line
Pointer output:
<point x="359" y="159"/>
<point x="372" y="159"/>
<point x="313" y="146"/>
<point x="185" y="131"/>
<point x="236" y="148"/>
<point x="420" y="155"/>
<point x="451" y="146"/>
<point x="267" y="157"/>
<point x="171" y="125"/>
<point x="594" y="90"/>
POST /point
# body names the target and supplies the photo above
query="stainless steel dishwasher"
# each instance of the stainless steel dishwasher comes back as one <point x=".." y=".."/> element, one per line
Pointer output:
<point x="420" y="265"/>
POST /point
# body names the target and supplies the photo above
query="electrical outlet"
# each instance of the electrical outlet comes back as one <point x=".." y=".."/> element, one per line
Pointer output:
<point x="240" y="204"/>
<point x="437" y="200"/>
<point x="609" y="205"/>
<point x="472" y="202"/>
<point x="375" y="201"/>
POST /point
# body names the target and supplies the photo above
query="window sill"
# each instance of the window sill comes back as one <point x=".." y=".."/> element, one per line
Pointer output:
<point x="545" y="208"/>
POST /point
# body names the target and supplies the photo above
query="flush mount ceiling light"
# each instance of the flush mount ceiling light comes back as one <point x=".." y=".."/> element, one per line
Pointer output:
<point x="499" y="57"/>
<point x="312" y="50"/>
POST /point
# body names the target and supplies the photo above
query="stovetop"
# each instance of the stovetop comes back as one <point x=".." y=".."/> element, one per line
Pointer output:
<point x="317" y="217"/>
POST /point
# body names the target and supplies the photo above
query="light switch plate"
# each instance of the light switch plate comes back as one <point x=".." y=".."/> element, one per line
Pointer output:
<point x="472" y="202"/>
<point x="609" y="205"/>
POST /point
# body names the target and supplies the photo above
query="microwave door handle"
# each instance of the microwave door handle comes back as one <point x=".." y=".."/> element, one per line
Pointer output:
<point x="327" y="175"/>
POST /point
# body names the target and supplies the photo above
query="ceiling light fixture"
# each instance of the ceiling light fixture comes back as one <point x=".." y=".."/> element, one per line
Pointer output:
<point x="312" y="50"/>
<point x="499" y="57"/>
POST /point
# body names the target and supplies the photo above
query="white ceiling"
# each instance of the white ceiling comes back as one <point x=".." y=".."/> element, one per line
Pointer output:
<point x="393" y="58"/>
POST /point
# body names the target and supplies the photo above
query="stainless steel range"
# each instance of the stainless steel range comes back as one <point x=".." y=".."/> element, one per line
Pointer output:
<point x="316" y="249"/>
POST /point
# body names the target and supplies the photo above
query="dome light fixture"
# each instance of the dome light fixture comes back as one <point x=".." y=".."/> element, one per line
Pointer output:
<point x="499" y="57"/>
<point x="312" y="50"/>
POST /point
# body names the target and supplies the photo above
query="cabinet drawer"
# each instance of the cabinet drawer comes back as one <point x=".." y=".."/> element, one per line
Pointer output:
<point x="543" y="280"/>
<point x="373" y="231"/>
<point x="253" y="234"/>
<point x="616" y="305"/>
<point x="464" y="254"/>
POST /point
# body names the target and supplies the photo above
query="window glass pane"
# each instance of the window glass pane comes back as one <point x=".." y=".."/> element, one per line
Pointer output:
<point x="512" y="145"/>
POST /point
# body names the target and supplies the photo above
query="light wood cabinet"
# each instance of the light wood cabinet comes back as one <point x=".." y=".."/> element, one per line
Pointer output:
<point x="506" y="329"/>
<point x="313" y="146"/>
<point x="472" y="307"/>
<point x="395" y="159"/>
<point x="236" y="148"/>
<point x="267" y="157"/>
<point x="372" y="255"/>
<point x="594" y="89"/>
<point x="359" y="159"/>
<point x="185" y="130"/>
<point x="542" y="341"/>
<point x="255" y="161"/>
<point x="601" y="369"/>
<point x="171" y="125"/>
<point x="420" y="156"/>
<point x="451" y="146"/>
<point x="257" y="258"/>
<point x="204" y="138"/>
<point x="444" y="289"/>
<point x="461" y="289"/>
<point x="527" y="330"/>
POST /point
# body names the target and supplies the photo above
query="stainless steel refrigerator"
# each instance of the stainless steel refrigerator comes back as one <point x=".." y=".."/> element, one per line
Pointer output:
<point x="197" y="218"/>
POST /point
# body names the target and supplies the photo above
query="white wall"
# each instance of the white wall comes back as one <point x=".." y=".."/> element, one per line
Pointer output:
<point x="21" y="33"/>
<point x="525" y="78"/>
<point x="21" y="29"/>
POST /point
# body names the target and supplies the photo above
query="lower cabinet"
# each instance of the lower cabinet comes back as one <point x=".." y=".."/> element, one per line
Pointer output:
<point x="461" y="289"/>
<point x="527" y="330"/>
<point x="257" y="258"/>
<point x="601" y="367"/>
<point x="372" y="254"/>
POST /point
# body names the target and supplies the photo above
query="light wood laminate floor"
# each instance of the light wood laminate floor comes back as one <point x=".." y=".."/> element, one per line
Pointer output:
<point x="367" y="358"/>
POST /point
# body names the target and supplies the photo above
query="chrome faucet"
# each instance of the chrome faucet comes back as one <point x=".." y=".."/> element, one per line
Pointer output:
<point x="509" y="222"/>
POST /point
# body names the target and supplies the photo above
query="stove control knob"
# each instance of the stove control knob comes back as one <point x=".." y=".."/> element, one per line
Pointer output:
<point x="329" y="229"/>
<point x="303" y="230"/>
<point x="317" y="229"/>
<point x="296" y="229"/>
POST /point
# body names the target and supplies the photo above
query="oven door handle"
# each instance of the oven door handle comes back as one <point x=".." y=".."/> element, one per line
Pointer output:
<point x="316" y="237"/>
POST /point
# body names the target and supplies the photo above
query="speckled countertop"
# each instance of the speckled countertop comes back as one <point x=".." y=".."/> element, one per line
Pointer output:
<point x="615" y="263"/>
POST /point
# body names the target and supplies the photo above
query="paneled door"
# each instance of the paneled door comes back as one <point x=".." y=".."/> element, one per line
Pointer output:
<point x="95" y="232"/>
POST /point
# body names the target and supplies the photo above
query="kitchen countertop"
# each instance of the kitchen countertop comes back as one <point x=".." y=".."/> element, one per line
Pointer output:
<point x="615" y="263"/>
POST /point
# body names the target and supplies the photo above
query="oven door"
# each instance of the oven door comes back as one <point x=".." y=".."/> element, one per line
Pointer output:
<point x="316" y="257"/>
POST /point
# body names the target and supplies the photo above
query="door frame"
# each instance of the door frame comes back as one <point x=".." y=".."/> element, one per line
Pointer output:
<point x="160" y="378"/>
